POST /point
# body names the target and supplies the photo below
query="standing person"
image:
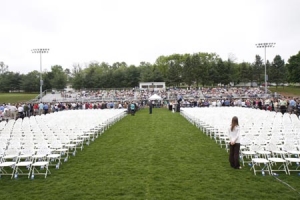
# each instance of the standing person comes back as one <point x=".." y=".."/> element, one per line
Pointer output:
<point x="6" y="113"/>
<point x="30" y="109"/>
<point x="298" y="108"/>
<point x="41" y="108"/>
<point x="234" y="138"/>
<point x="132" y="108"/>
<point x="150" y="107"/>
<point x="46" y="108"/>
<point x="21" y="111"/>
<point x="26" y="110"/>
<point x="35" y="109"/>
<point x="283" y="105"/>
<point x="13" y="112"/>
<point x="292" y="105"/>
<point x="120" y="105"/>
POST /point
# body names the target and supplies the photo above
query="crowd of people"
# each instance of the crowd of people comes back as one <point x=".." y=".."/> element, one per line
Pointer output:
<point x="283" y="104"/>
<point x="169" y="93"/>
<point x="21" y="110"/>
<point x="202" y="97"/>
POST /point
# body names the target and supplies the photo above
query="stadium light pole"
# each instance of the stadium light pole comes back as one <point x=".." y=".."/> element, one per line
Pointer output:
<point x="40" y="51"/>
<point x="265" y="45"/>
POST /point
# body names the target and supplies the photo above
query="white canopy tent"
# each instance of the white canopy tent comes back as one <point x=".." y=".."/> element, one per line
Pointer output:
<point x="155" y="97"/>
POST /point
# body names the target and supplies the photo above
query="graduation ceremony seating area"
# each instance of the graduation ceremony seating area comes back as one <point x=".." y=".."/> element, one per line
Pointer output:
<point x="29" y="147"/>
<point x="270" y="141"/>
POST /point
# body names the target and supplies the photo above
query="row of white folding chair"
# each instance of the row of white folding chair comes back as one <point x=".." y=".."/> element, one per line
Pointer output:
<point x="88" y="130"/>
<point x="268" y="135"/>
<point x="30" y="159"/>
<point x="253" y="149"/>
<point x="274" y="163"/>
<point x="76" y="136"/>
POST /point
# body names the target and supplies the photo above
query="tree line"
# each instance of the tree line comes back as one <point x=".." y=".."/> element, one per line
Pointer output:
<point x="198" y="69"/>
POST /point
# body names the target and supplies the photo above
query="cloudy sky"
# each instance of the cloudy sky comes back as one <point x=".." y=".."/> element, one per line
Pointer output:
<point x="82" y="31"/>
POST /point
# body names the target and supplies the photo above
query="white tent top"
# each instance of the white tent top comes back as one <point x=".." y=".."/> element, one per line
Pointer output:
<point x="155" y="97"/>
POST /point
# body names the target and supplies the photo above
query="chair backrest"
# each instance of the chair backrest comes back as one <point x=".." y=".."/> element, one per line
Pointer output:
<point x="246" y="141"/>
<point x="3" y="145"/>
<point x="289" y="147"/>
<point x="28" y="151"/>
<point x="255" y="148"/>
<point x="271" y="147"/>
<point x="12" y="152"/>
<point x="55" y="144"/>
<point x="43" y="151"/>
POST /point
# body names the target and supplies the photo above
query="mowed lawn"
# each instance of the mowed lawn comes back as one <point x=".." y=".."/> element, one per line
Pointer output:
<point x="292" y="91"/>
<point x="158" y="156"/>
<point x="16" y="97"/>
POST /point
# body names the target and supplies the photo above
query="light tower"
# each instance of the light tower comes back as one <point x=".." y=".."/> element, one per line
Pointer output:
<point x="40" y="51"/>
<point x="265" y="45"/>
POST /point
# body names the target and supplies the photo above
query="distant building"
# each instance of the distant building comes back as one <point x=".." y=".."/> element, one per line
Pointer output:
<point x="152" y="86"/>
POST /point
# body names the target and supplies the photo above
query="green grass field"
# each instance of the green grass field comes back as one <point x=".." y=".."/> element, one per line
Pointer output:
<point x="158" y="156"/>
<point x="16" y="97"/>
<point x="293" y="91"/>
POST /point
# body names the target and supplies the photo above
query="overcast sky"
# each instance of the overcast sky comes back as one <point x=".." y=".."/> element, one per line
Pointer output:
<point x="82" y="31"/>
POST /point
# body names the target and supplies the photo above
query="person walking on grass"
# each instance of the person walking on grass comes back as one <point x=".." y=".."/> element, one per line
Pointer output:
<point x="132" y="108"/>
<point x="234" y="138"/>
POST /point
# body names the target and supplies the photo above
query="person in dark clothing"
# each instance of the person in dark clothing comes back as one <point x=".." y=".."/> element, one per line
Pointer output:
<point x="298" y="108"/>
<point x="234" y="138"/>
<point x="259" y="104"/>
<point x="132" y="108"/>
<point x="150" y="107"/>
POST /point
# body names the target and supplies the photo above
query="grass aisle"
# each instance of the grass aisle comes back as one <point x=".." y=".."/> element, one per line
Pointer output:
<point x="158" y="156"/>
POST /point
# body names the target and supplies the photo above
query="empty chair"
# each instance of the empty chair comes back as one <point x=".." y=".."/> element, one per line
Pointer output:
<point x="40" y="162"/>
<point x="260" y="165"/>
<point x="57" y="151"/>
<point x="23" y="165"/>
<point x="7" y="165"/>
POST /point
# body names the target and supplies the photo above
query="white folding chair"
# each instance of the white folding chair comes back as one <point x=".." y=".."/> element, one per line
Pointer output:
<point x="57" y="151"/>
<point x="23" y="166"/>
<point x="260" y="165"/>
<point x="275" y="151"/>
<point x="40" y="163"/>
<point x="66" y="142"/>
<point x="40" y="168"/>
<point x="273" y="163"/>
<point x="9" y="158"/>
<point x="293" y="164"/>
<point x="249" y="152"/>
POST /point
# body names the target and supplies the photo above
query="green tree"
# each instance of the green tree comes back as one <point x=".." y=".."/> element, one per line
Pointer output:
<point x="258" y="70"/>
<point x="222" y="73"/>
<point x="3" y="68"/>
<point x="174" y="73"/>
<point x="146" y="72"/>
<point x="10" y="81"/>
<point x="59" y="79"/>
<point x="77" y="77"/>
<point x="31" y="82"/>
<point x="162" y="65"/>
<point x="203" y="69"/>
<point x="196" y="65"/>
<point x="293" y="68"/>
<point x="188" y="73"/>
<point x="244" y="72"/>
<point x="210" y="72"/>
<point x="175" y="68"/>
<point x="92" y="76"/>
<point x="132" y="76"/>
